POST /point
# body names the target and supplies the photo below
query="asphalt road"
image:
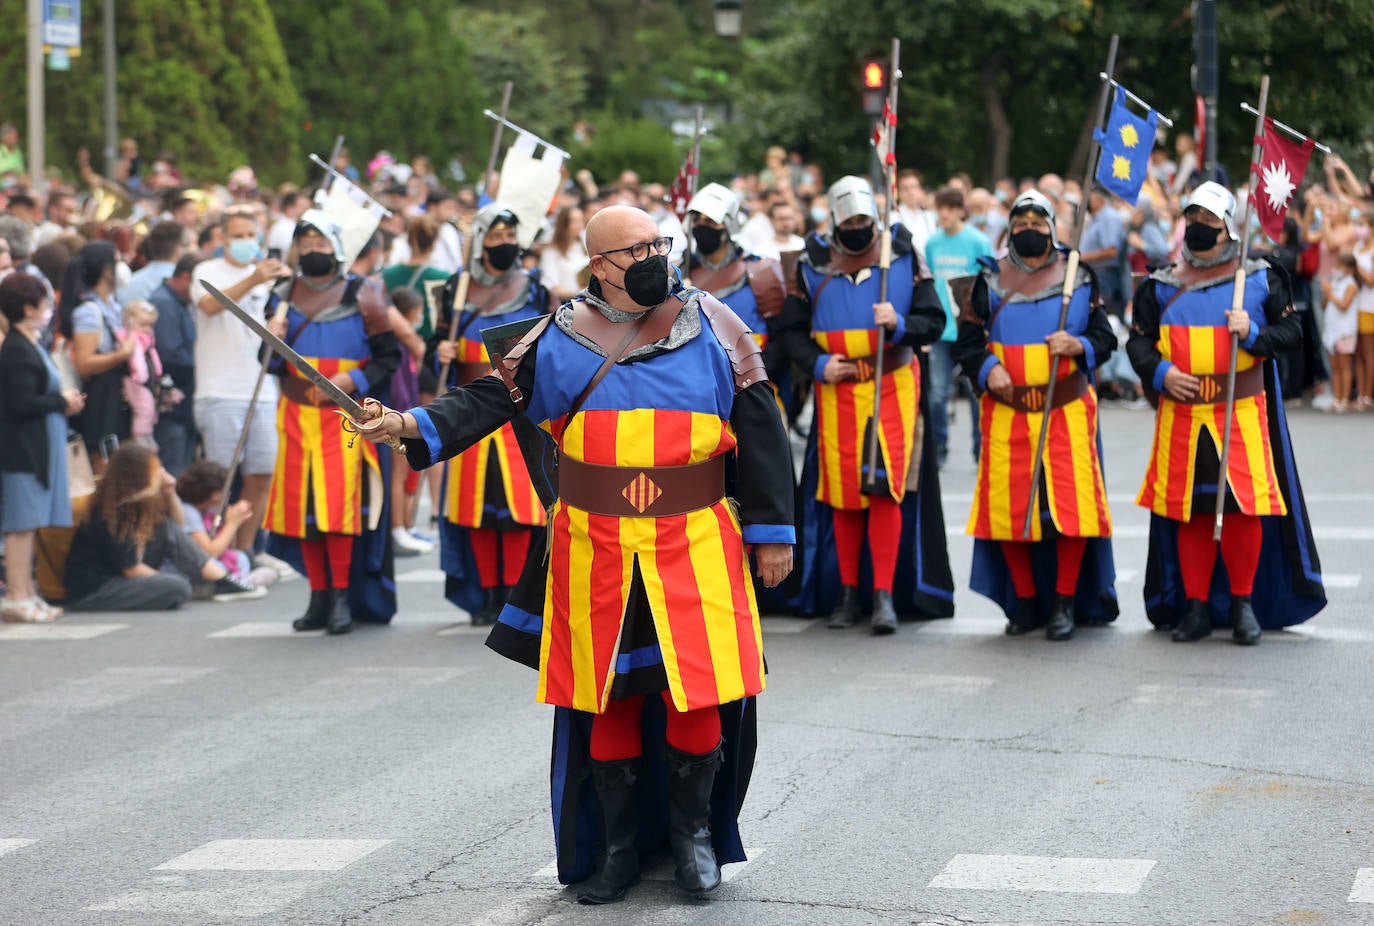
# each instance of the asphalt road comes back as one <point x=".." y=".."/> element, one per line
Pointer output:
<point x="208" y="766"/>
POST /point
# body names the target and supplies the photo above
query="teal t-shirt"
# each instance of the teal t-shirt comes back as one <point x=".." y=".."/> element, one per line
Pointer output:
<point x="951" y="256"/>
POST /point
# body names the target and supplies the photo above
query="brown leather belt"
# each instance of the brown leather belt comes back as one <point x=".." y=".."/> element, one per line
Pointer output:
<point x="304" y="392"/>
<point x="1031" y="399"/>
<point x="893" y="357"/>
<point x="471" y="372"/>
<point x="641" y="491"/>
<point x="1212" y="386"/>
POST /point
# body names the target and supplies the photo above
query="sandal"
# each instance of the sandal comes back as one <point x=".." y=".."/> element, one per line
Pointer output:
<point x="25" y="611"/>
<point x="54" y="611"/>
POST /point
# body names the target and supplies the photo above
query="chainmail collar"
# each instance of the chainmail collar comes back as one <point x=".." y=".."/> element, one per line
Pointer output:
<point x="1229" y="252"/>
<point x="484" y="277"/>
<point x="685" y="328"/>
<point x="731" y="255"/>
<point x="1019" y="262"/>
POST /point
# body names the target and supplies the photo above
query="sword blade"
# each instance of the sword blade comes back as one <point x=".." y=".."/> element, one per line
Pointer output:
<point x="284" y="351"/>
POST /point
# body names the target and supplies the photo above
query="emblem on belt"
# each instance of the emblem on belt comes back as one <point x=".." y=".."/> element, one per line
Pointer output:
<point x="641" y="492"/>
<point x="1208" y="390"/>
<point x="1033" y="399"/>
<point x="865" y="370"/>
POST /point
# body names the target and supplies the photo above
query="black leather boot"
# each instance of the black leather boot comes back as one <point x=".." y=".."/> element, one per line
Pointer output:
<point x="1245" y="628"/>
<point x="340" y="616"/>
<point x="492" y="600"/>
<point x="617" y="869"/>
<point x="690" y="778"/>
<point x="1196" y="623"/>
<point x="1023" y="619"/>
<point x="846" y="613"/>
<point x="1060" y="626"/>
<point x="884" y="614"/>
<point x="316" y="613"/>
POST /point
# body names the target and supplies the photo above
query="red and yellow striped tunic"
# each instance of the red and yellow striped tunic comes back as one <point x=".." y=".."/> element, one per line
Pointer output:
<point x="1169" y="481"/>
<point x="465" y="487"/>
<point x="693" y="566"/>
<point x="843" y="411"/>
<point x="1074" y="485"/>
<point x="317" y="480"/>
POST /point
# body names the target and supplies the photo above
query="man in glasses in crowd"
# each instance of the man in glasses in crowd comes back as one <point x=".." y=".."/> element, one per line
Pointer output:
<point x="649" y="622"/>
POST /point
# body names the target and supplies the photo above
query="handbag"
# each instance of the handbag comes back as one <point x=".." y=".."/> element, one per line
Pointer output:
<point x="66" y="367"/>
<point x="80" y="476"/>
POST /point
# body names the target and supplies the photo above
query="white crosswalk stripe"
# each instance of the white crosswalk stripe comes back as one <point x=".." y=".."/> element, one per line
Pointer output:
<point x="422" y="575"/>
<point x="60" y="630"/>
<point x="42" y="709"/>
<point x="260" y="629"/>
<point x="1199" y="695"/>
<point x="181" y="896"/>
<point x="274" y="855"/>
<point x="1044" y="873"/>
<point x="13" y="845"/>
<point x="1363" y="890"/>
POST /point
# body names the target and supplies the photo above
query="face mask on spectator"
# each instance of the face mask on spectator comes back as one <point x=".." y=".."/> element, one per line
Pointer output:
<point x="818" y="215"/>
<point x="243" y="250"/>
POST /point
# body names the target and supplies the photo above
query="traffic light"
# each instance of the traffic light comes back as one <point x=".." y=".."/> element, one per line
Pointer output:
<point x="875" y="85"/>
<point x="1205" y="76"/>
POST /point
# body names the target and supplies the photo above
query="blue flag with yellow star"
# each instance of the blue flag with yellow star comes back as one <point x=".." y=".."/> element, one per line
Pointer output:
<point x="1126" y="146"/>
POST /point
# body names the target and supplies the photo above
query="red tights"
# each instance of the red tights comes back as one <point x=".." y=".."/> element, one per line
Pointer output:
<point x="328" y="560"/>
<point x="1241" y="536"/>
<point x="508" y="548"/>
<point x="1068" y="559"/>
<point x="615" y="733"/>
<point x="884" y="536"/>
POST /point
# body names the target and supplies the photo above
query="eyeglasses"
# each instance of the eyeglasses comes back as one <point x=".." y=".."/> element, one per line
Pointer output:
<point x="660" y="246"/>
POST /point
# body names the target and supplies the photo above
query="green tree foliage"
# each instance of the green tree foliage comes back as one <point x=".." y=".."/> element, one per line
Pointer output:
<point x="384" y="75"/>
<point x="999" y="86"/>
<point x="629" y="144"/>
<point x="206" y="80"/>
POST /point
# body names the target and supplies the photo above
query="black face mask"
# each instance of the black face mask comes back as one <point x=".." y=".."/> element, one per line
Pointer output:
<point x="708" y="239"/>
<point x="855" y="240"/>
<point x="646" y="282"/>
<point x="317" y="264"/>
<point x="1199" y="236"/>
<point x="502" y="257"/>
<point x="1029" y="242"/>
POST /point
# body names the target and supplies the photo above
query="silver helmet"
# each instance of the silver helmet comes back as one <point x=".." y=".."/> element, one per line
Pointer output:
<point x="493" y="215"/>
<point x="1217" y="200"/>
<point x="1035" y="201"/>
<point x="326" y="225"/>
<point x="719" y="204"/>
<point x="848" y="197"/>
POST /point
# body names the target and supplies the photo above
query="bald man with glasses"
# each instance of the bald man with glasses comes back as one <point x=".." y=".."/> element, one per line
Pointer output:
<point x="642" y="619"/>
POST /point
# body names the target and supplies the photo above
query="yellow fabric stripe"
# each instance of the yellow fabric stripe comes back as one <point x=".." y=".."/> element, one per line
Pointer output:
<point x="1036" y="358"/>
<point x="999" y="496"/>
<point x="706" y="434"/>
<point x="546" y="634"/>
<point x="579" y="585"/>
<point x="310" y="443"/>
<point x="709" y="565"/>
<point x="1256" y="450"/>
<point x="1165" y="344"/>
<point x="658" y="606"/>
<point x="1201" y="350"/>
<point x="827" y="415"/>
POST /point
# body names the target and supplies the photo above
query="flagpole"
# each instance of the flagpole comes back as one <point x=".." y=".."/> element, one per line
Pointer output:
<point x="884" y="259"/>
<point x="692" y="180"/>
<point x="460" y="296"/>
<point x="1070" y="281"/>
<point x="1238" y="305"/>
<point x="1324" y="149"/>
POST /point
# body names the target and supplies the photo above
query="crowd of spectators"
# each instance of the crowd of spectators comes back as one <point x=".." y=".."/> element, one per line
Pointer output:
<point x="116" y="359"/>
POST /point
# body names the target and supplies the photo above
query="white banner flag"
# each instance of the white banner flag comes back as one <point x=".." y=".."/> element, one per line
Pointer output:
<point x="528" y="186"/>
<point x="356" y="212"/>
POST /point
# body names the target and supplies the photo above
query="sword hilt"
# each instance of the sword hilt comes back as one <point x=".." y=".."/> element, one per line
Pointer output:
<point x="351" y="427"/>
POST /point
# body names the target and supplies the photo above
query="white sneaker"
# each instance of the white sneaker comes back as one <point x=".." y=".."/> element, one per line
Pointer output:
<point x="280" y="566"/>
<point x="405" y="540"/>
<point x="1323" y="401"/>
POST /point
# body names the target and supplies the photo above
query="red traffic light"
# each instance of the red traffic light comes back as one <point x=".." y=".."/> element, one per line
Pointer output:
<point x="875" y="75"/>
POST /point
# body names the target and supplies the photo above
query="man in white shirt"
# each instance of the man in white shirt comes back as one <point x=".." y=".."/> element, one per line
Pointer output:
<point x="279" y="237"/>
<point x="911" y="207"/>
<point x="783" y="216"/>
<point x="227" y="362"/>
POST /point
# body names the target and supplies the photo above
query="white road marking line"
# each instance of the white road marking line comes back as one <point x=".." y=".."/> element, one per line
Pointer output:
<point x="274" y="855"/>
<point x="14" y="845"/>
<point x="1198" y="694"/>
<point x="923" y="682"/>
<point x="422" y="575"/>
<point x="1337" y="634"/>
<point x="1340" y="580"/>
<point x="255" y="629"/>
<point x="1127" y="575"/>
<point x="463" y="630"/>
<point x="1044" y="873"/>
<point x="57" y="631"/>
<point x="1363" y="890"/>
<point x="662" y="870"/>
<point x="787" y="624"/>
<point x="246" y="900"/>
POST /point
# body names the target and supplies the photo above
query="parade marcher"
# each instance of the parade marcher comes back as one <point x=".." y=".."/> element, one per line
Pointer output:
<point x="327" y="505"/>
<point x="649" y="622"/>
<point x="1011" y="344"/>
<point x="490" y="511"/>
<point x="1180" y="345"/>
<point x="831" y="325"/>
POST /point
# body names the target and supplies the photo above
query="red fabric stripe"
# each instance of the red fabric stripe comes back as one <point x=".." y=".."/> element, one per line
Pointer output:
<point x="1060" y="449"/>
<point x="737" y="562"/>
<point x="515" y="549"/>
<point x="340" y="549"/>
<point x="1197" y="554"/>
<point x="607" y="607"/>
<point x="293" y="502"/>
<point x="316" y="565"/>
<point x="849" y="542"/>
<point x="983" y="526"/>
<point x="1180" y="461"/>
<point x="690" y="640"/>
<point x="1069" y="557"/>
<point x="1018" y="557"/>
<point x="884" y="535"/>
<point x="558" y="677"/>
<point x="599" y="436"/>
<point x="1241" y="537"/>
<point x="1022" y="455"/>
<point x="484" y="546"/>
<point x="694" y="732"/>
<point x="847" y="438"/>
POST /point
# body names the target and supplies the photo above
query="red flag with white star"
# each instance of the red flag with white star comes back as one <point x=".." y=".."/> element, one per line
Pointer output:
<point x="681" y="193"/>
<point x="1277" y="175"/>
<point x="882" y="136"/>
